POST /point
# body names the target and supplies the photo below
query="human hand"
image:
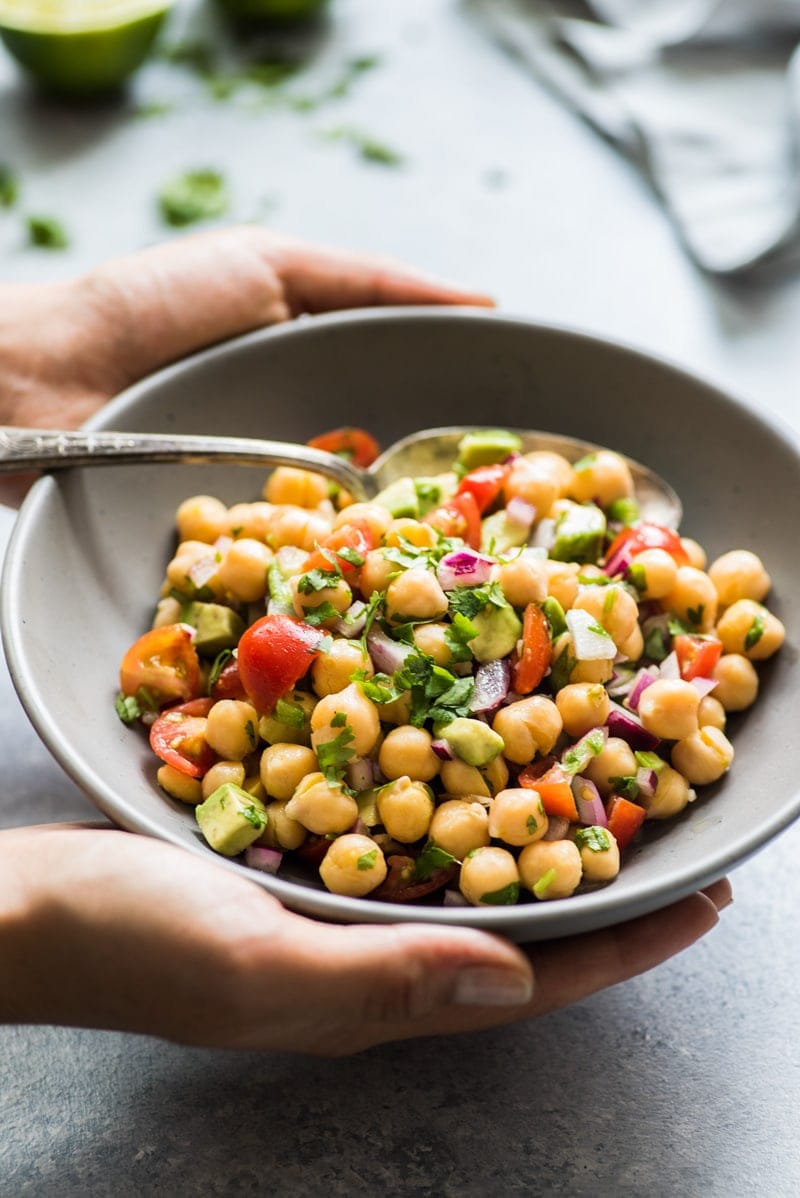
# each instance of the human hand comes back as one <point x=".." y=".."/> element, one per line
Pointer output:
<point x="100" y="928"/>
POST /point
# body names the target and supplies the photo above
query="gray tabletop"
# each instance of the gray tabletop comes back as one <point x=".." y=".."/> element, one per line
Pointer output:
<point x="682" y="1082"/>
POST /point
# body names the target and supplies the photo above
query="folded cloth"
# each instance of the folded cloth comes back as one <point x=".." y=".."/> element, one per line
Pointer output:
<point x="703" y="95"/>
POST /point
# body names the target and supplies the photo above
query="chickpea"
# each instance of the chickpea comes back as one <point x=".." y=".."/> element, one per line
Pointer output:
<point x="599" y="854"/>
<point x="739" y="574"/>
<point x="533" y="481"/>
<point x="377" y="572"/>
<point x="360" y="717"/>
<point x="460" y="779"/>
<point x="555" y="465"/>
<point x="405" y="529"/>
<point x="179" y="786"/>
<point x="668" y="708"/>
<point x="692" y="599"/>
<point x="288" y="484"/>
<point x="250" y="520"/>
<point x="407" y="750"/>
<point x="231" y="728"/>
<point x="748" y="628"/>
<point x="243" y="570"/>
<point x="292" y="525"/>
<point x="432" y="639"/>
<point x="582" y="706"/>
<point x="405" y="809"/>
<point x="523" y="580"/>
<point x="601" y="477"/>
<point x="322" y="807"/>
<point x="562" y="581"/>
<point x="528" y="727"/>
<point x="551" y="869"/>
<point x="415" y="594"/>
<point x="281" y="832"/>
<point x="283" y="766"/>
<point x="304" y="598"/>
<point x="373" y="516"/>
<point x="255" y="787"/>
<point x="220" y="773"/>
<point x="672" y="794"/>
<point x="353" y="865"/>
<point x="711" y="713"/>
<point x="459" y="826"/>
<point x="517" y="816"/>
<point x="632" y="648"/>
<point x="737" y="682"/>
<point x="615" y="760"/>
<point x="654" y="573"/>
<point x="614" y="609"/>
<point x="703" y="757"/>
<point x="487" y="872"/>
<point x="695" y="553"/>
<point x="201" y="518"/>
<point x="332" y="671"/>
<point x="195" y="564"/>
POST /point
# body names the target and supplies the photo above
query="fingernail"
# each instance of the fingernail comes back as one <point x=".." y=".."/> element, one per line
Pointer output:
<point x="486" y="987"/>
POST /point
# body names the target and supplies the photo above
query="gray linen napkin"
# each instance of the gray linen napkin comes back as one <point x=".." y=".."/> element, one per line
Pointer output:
<point x="704" y="95"/>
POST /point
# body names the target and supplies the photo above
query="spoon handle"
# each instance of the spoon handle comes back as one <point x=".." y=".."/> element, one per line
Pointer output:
<point x="50" y="449"/>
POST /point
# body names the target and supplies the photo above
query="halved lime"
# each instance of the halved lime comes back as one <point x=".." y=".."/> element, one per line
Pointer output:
<point x="271" y="11"/>
<point x="81" y="47"/>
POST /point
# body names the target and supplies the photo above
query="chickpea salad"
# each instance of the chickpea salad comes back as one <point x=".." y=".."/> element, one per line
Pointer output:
<point x="477" y="687"/>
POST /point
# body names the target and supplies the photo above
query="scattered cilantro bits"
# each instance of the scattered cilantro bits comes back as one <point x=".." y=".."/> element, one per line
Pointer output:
<point x="196" y="195"/>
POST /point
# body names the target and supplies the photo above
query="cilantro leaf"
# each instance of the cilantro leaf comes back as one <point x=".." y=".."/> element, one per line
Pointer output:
<point x="625" y="785"/>
<point x="218" y="665"/>
<point x="319" y="614"/>
<point x="755" y="631"/>
<point x="334" y="755"/>
<point x="468" y="601"/>
<point x="291" y="714"/>
<point x="317" y="580"/>
<point x="506" y="896"/>
<point x="431" y="858"/>
<point x="594" y="838"/>
<point x="367" y="860"/>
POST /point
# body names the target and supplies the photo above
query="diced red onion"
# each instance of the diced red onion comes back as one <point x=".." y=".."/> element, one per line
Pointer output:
<point x="557" y="827"/>
<point x="628" y="727"/>
<point x="587" y="799"/>
<point x="703" y="686"/>
<point x="442" y="749"/>
<point x="669" y="667"/>
<point x="645" y="677"/>
<point x="618" y="563"/>
<point x="492" y="680"/>
<point x="360" y="773"/>
<point x="621" y="682"/>
<point x="386" y="655"/>
<point x="519" y="511"/>
<point x="353" y="621"/>
<point x="647" y="781"/>
<point x="454" y="898"/>
<point x="463" y="568"/>
<point x="259" y="857"/>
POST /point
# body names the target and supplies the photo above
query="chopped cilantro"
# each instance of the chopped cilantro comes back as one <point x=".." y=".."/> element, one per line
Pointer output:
<point x="755" y="631"/>
<point x="594" y="838"/>
<point x="649" y="761"/>
<point x="370" y="615"/>
<point x="127" y="708"/>
<point x="468" y="601"/>
<point x="9" y="186"/>
<point x="506" y="896"/>
<point x="695" y="614"/>
<point x="47" y="233"/>
<point x="581" y="753"/>
<point x="625" y="785"/>
<point x="339" y="720"/>
<point x="367" y="146"/>
<point x="457" y="636"/>
<point x="598" y="630"/>
<point x="291" y="714"/>
<point x="561" y="669"/>
<point x="317" y="580"/>
<point x="319" y="614"/>
<point x="367" y="860"/>
<point x="609" y="599"/>
<point x="541" y="887"/>
<point x="655" y="645"/>
<point x="193" y="196"/>
<point x="431" y="858"/>
<point x="218" y="665"/>
<point x="333" y="755"/>
<point x="636" y="574"/>
<point x="380" y="688"/>
<point x="254" y="816"/>
<point x="350" y="555"/>
<point x="153" y="108"/>
<point x="251" y="732"/>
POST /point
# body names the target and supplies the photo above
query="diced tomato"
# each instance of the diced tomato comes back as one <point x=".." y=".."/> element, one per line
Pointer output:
<point x="484" y="483"/>
<point x="553" y="787"/>
<point x="399" y="885"/>
<point x="697" y="655"/>
<point x="164" y="663"/>
<point x="459" y="517"/>
<point x="648" y="536"/>
<point x="229" y="683"/>
<point x="355" y="444"/>
<point x="178" y="738"/>
<point x="274" y="654"/>
<point x="355" y="539"/>
<point x="624" y="819"/>
<point x="537" y="651"/>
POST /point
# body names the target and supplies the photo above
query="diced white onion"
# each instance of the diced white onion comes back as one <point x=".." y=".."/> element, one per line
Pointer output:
<point x="588" y="643"/>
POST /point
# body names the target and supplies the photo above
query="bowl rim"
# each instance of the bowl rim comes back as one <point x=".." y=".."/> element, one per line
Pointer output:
<point x="597" y="908"/>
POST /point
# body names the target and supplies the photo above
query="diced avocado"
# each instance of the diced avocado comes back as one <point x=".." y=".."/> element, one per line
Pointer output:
<point x="499" y="629"/>
<point x="487" y="446"/>
<point x="554" y="614"/>
<point x="231" y="819"/>
<point x="579" y="534"/>
<point x="367" y="806"/>
<point x="218" y="627"/>
<point x="471" y="740"/>
<point x="400" y="497"/>
<point x="290" y="722"/>
<point x="499" y="534"/>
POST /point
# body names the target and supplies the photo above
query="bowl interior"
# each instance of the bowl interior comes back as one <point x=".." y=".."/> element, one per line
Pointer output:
<point x="88" y="553"/>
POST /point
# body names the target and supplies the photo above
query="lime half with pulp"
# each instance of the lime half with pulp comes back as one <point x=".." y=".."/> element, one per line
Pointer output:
<point x="81" y="47"/>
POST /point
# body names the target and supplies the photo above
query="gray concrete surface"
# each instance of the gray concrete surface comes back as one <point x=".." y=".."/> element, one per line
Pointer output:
<point x="683" y="1082"/>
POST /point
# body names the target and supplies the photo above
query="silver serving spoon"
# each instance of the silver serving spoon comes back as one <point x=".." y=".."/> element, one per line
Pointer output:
<point x="429" y="452"/>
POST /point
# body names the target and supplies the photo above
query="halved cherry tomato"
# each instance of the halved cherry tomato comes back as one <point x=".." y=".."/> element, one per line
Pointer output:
<point x="537" y="651"/>
<point x="624" y="819"/>
<point x="355" y="444"/>
<point x="178" y="737"/>
<point x="648" y="536"/>
<point x="399" y="885"/>
<point x="484" y="483"/>
<point x="459" y="517"/>
<point x="355" y="539"/>
<point x="274" y="654"/>
<point x="163" y="662"/>
<point x="553" y="786"/>
<point x="697" y="655"/>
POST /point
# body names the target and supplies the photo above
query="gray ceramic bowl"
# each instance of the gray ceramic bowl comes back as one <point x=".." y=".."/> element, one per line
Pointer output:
<point x="88" y="553"/>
